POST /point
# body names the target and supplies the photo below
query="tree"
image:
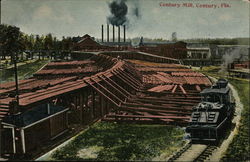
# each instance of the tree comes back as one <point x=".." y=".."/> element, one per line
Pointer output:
<point x="11" y="42"/>
<point x="57" y="46"/>
<point x="26" y="44"/>
<point x="3" y="36"/>
<point x="38" y="45"/>
<point x="48" y="43"/>
<point x="31" y="43"/>
<point x="67" y="44"/>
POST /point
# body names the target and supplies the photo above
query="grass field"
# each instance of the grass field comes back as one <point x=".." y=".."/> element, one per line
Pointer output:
<point x="24" y="70"/>
<point x="111" y="141"/>
<point x="240" y="147"/>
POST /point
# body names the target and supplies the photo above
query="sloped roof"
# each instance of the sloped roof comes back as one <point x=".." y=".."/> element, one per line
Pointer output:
<point x="87" y="41"/>
<point x="86" y="36"/>
<point x="215" y="90"/>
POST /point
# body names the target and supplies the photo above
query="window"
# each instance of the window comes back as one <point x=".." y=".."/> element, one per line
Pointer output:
<point x="212" y="98"/>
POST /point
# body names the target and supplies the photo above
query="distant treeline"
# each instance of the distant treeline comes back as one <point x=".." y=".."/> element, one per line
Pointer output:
<point x="221" y="41"/>
<point x="13" y="41"/>
<point x="216" y="41"/>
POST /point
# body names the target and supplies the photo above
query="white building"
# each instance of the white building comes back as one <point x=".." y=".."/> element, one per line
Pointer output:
<point x="198" y="51"/>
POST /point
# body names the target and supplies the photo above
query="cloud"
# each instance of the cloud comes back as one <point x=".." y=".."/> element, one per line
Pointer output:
<point x="48" y="14"/>
<point x="43" y="12"/>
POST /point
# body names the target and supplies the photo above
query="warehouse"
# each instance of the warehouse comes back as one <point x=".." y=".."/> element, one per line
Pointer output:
<point x="176" y="50"/>
<point x="87" y="43"/>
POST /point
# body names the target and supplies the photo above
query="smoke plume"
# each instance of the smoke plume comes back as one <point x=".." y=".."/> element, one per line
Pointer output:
<point x="230" y="57"/>
<point x="119" y="10"/>
<point x="136" y="10"/>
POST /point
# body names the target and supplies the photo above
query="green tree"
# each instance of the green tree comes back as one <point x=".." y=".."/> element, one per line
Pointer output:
<point x="38" y="45"/>
<point x="11" y="41"/>
<point x="48" y="43"/>
<point x="57" y="46"/>
<point x="67" y="45"/>
<point x="3" y="36"/>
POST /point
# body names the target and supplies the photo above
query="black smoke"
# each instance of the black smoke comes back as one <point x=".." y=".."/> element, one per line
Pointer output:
<point x="136" y="10"/>
<point x="119" y="10"/>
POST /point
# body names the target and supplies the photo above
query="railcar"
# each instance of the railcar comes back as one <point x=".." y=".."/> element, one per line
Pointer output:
<point x="212" y="116"/>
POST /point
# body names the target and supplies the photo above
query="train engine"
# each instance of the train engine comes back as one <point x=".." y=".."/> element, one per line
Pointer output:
<point x="212" y="116"/>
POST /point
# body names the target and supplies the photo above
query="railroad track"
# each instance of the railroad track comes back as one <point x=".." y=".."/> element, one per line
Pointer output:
<point x="193" y="152"/>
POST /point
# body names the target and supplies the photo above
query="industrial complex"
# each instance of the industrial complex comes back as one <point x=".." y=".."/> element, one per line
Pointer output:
<point x="108" y="80"/>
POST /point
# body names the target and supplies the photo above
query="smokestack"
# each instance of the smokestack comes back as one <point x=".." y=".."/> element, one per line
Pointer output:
<point x="113" y="33"/>
<point x="102" y="33"/>
<point x="107" y="32"/>
<point x="124" y="32"/>
<point x="119" y="34"/>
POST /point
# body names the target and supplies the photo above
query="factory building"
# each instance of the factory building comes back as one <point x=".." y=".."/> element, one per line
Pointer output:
<point x="175" y="50"/>
<point x="203" y="54"/>
<point x="198" y="51"/>
<point x="87" y="43"/>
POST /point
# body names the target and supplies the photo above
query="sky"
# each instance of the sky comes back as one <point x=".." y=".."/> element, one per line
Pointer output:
<point x="153" y="18"/>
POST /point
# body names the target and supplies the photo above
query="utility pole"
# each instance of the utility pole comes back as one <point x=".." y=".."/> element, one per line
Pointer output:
<point x="16" y="78"/>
